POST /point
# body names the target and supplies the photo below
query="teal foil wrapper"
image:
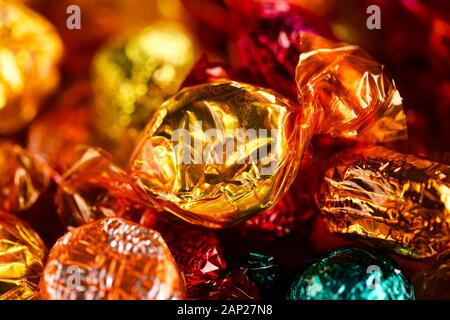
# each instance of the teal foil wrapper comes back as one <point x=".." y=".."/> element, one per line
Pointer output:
<point x="352" y="274"/>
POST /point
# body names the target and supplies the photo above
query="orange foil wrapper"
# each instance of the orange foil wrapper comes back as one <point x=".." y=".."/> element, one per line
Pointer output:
<point x="96" y="187"/>
<point x="22" y="255"/>
<point x="111" y="259"/>
<point x="354" y="95"/>
<point x="396" y="201"/>
<point x="219" y="153"/>
<point x="23" y="178"/>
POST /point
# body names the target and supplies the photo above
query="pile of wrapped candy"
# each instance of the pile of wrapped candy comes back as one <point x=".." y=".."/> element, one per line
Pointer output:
<point x="234" y="149"/>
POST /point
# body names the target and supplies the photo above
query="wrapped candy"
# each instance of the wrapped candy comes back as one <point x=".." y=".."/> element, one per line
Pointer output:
<point x="133" y="76"/>
<point x="95" y="187"/>
<point x="111" y="259"/>
<point x="432" y="282"/>
<point x="30" y="49"/>
<point x="22" y="255"/>
<point x="23" y="178"/>
<point x="196" y="251"/>
<point x="397" y="201"/>
<point x="57" y="135"/>
<point x="235" y="286"/>
<point x="263" y="270"/>
<point x="217" y="154"/>
<point x="352" y="93"/>
<point x="351" y="274"/>
<point x="264" y="39"/>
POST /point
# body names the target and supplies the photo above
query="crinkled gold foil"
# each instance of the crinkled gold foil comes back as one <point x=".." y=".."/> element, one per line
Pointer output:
<point x="133" y="76"/>
<point x="30" y="49"/>
<point x="400" y="202"/>
<point x="353" y="94"/>
<point x="220" y="184"/>
<point x="22" y="253"/>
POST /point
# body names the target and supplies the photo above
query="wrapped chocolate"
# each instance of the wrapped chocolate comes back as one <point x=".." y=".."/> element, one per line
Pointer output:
<point x="22" y="255"/>
<point x="133" y="76"/>
<point x="196" y="251"/>
<point x="96" y="187"/>
<point x="353" y="94"/>
<point x="219" y="153"/>
<point x="352" y="274"/>
<point x="264" y="39"/>
<point x="23" y="178"/>
<point x="396" y="201"/>
<point x="263" y="270"/>
<point x="111" y="259"/>
<point x="433" y="281"/>
<point x="30" y="50"/>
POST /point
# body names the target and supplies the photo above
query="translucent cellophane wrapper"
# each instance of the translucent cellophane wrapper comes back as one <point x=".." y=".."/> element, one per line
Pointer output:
<point x="30" y="50"/>
<point x="111" y="259"/>
<point x="22" y="255"/>
<point x="396" y="201"/>
<point x="353" y="95"/>
<point x="23" y="178"/>
<point x="219" y="153"/>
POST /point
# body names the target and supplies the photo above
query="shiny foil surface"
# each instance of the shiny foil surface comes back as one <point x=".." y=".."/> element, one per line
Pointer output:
<point x="22" y="255"/>
<point x="396" y="201"/>
<point x="194" y="162"/>
<point x="111" y="259"/>
<point x="132" y="76"/>
<point x="23" y="178"/>
<point x="353" y="94"/>
<point x="96" y="187"/>
<point x="30" y="50"/>
<point x="351" y="274"/>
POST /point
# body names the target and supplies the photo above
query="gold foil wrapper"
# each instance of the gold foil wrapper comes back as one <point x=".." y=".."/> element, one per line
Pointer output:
<point x="353" y="95"/>
<point x="22" y="253"/>
<point x="133" y="76"/>
<point x="111" y="259"/>
<point x="218" y="153"/>
<point x="30" y="50"/>
<point x="396" y="201"/>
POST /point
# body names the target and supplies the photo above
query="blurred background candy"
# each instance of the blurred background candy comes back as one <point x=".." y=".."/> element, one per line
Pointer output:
<point x="133" y="76"/>
<point x="30" y="50"/>
<point x="22" y="256"/>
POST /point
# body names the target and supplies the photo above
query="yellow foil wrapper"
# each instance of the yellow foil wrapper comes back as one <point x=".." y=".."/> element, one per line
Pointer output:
<point x="354" y="96"/>
<point x="133" y="76"/>
<point x="22" y="253"/>
<point x="400" y="202"/>
<point x="218" y="153"/>
<point x="30" y="50"/>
